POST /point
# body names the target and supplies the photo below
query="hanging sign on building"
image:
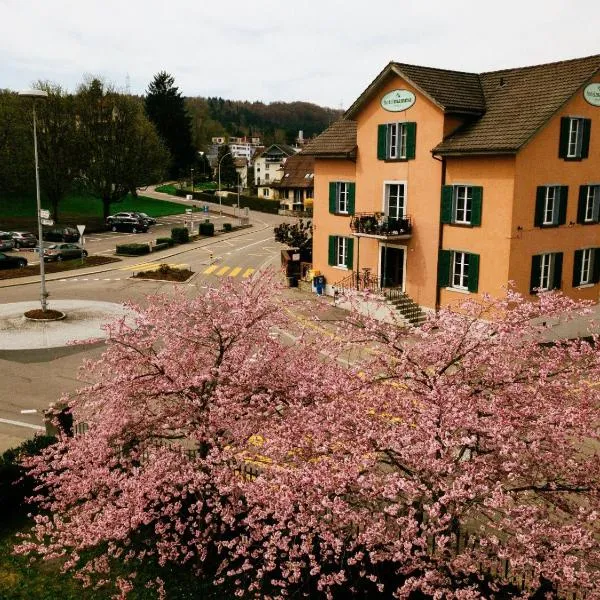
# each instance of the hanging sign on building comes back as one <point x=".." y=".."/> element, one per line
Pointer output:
<point x="398" y="100"/>
<point x="591" y="93"/>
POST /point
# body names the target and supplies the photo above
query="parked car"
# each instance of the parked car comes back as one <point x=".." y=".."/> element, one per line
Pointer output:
<point x="150" y="220"/>
<point x="63" y="251"/>
<point x="61" y="234"/>
<point x="24" y="239"/>
<point x="12" y="262"/>
<point x="126" y="223"/>
<point x="6" y="241"/>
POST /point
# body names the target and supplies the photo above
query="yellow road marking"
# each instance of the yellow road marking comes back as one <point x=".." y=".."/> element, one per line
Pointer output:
<point x="211" y="269"/>
<point x="235" y="272"/>
<point x="222" y="271"/>
<point x="248" y="272"/>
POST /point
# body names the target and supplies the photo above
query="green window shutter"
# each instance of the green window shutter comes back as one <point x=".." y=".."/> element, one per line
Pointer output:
<point x="473" y="280"/>
<point x="540" y="200"/>
<point x="411" y="140"/>
<point x="583" y="191"/>
<point x="332" y="197"/>
<point x="477" y="194"/>
<point x="350" y="254"/>
<point x="444" y="259"/>
<point x="562" y="204"/>
<point x="381" y="142"/>
<point x="447" y="197"/>
<point x="351" y="197"/>
<point x="577" y="267"/>
<point x="332" y="248"/>
<point x="596" y="266"/>
<point x="536" y="273"/>
<point x="563" y="143"/>
<point x="557" y="279"/>
<point x="585" y="139"/>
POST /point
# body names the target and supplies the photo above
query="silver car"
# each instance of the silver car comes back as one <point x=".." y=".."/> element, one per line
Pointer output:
<point x="6" y="241"/>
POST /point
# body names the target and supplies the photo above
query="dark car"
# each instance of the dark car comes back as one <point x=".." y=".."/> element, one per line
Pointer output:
<point x="61" y="234"/>
<point x="6" y="241"/>
<point x="63" y="251"/>
<point x="150" y="220"/>
<point x="24" y="239"/>
<point x="12" y="262"/>
<point x="126" y="223"/>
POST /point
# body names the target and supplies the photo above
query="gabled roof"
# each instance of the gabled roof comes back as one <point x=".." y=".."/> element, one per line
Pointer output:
<point x="298" y="172"/>
<point x="503" y="109"/>
<point x="337" y="141"/>
<point x="518" y="103"/>
<point x="279" y="149"/>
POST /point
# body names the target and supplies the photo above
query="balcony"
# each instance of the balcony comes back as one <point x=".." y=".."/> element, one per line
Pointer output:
<point x="379" y="226"/>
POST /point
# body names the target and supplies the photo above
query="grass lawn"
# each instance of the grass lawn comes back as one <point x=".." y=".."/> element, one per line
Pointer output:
<point x="19" y="212"/>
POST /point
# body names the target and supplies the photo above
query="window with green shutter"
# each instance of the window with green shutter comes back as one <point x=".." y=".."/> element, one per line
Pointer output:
<point x="473" y="280"/>
<point x="397" y="141"/>
<point x="546" y="272"/>
<point x="332" y="248"/>
<point x="574" y="141"/>
<point x="551" y="205"/>
<point x="588" y="206"/>
<point x="444" y="258"/>
<point x="349" y="253"/>
<point x="462" y="205"/>
<point x="342" y="197"/>
<point x="341" y="251"/>
<point x="586" y="267"/>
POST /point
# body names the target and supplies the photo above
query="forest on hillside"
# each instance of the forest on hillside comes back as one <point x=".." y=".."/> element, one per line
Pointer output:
<point x="274" y="122"/>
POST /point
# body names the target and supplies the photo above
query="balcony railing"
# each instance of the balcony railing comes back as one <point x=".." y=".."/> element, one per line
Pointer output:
<point x="378" y="225"/>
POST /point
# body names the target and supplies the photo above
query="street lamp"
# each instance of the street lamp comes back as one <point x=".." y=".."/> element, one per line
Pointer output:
<point x="34" y="95"/>
<point x="192" y="176"/>
<point x="220" y="161"/>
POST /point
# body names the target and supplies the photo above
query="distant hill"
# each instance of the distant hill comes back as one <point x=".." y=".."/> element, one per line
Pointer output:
<point x="274" y="122"/>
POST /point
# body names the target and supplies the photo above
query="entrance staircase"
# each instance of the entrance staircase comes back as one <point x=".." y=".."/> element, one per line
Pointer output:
<point x="408" y="309"/>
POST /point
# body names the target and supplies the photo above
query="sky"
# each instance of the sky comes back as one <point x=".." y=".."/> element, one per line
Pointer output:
<point x="321" y="51"/>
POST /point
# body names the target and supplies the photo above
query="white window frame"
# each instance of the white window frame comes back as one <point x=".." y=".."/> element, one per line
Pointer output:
<point x="342" y="196"/>
<point x="462" y="204"/>
<point x="546" y="271"/>
<point x="551" y="199"/>
<point x="341" y="252"/>
<point x="386" y="198"/>
<point x="592" y="204"/>
<point x="396" y="139"/>
<point x="587" y="262"/>
<point x="575" y="139"/>
<point x="460" y="276"/>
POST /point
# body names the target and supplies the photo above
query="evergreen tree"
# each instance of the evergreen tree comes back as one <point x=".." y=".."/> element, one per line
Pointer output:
<point x="165" y="107"/>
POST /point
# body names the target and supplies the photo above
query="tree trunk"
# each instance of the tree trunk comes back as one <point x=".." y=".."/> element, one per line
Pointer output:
<point x="106" y="206"/>
<point x="54" y="202"/>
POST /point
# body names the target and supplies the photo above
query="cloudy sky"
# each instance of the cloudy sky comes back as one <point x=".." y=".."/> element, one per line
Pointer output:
<point x="322" y="51"/>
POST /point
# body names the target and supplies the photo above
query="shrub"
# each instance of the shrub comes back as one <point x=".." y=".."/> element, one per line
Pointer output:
<point x="207" y="229"/>
<point x="15" y="485"/>
<point x="165" y="240"/>
<point x="133" y="249"/>
<point x="161" y="246"/>
<point x="227" y="227"/>
<point x="180" y="235"/>
<point x="252" y="202"/>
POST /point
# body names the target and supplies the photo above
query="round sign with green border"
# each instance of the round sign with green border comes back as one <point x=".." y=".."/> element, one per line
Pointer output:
<point x="591" y="93"/>
<point x="398" y="100"/>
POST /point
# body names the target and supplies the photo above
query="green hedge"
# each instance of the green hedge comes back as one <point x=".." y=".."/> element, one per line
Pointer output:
<point x="165" y="240"/>
<point x="162" y="246"/>
<point x="180" y="235"/>
<point x="252" y="202"/>
<point x="207" y="229"/>
<point x="133" y="249"/>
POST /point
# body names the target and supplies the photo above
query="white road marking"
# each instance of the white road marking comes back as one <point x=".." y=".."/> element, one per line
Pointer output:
<point x="28" y="411"/>
<point x="22" y="424"/>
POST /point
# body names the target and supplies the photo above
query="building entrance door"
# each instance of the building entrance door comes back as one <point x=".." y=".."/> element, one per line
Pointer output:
<point x="392" y="266"/>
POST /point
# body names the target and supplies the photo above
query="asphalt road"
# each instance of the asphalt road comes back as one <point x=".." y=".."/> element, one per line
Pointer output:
<point x="31" y="379"/>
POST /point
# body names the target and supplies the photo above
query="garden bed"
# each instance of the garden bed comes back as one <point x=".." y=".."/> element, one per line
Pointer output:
<point x="166" y="273"/>
<point x="59" y="267"/>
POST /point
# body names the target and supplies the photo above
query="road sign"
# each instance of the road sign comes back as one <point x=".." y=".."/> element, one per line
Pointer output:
<point x="44" y="214"/>
<point x="81" y="229"/>
<point x="47" y="221"/>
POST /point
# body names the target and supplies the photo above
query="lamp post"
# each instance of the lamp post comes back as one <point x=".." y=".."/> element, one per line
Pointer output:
<point x="192" y="177"/>
<point x="34" y="95"/>
<point x="220" y="161"/>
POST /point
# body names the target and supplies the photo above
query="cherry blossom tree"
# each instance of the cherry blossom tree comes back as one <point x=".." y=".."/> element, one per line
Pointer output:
<point x="457" y="460"/>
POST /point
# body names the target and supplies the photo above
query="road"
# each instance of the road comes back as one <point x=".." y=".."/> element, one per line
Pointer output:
<point x="30" y="380"/>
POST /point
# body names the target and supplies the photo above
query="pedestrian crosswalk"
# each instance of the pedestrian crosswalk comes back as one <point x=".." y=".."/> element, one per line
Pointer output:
<point x="224" y="270"/>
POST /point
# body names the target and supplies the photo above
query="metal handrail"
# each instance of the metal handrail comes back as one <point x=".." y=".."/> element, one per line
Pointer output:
<point x="377" y="223"/>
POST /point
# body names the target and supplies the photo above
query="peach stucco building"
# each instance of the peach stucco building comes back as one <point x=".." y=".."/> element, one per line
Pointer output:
<point x="441" y="184"/>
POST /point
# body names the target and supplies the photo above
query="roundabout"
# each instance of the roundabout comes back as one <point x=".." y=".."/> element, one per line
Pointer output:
<point x="83" y="320"/>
